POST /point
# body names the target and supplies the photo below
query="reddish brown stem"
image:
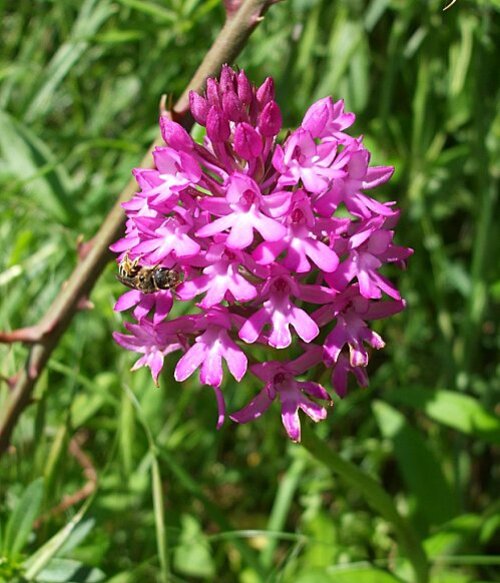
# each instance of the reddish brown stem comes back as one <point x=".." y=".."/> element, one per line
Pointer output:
<point x="89" y="473"/>
<point x="45" y="336"/>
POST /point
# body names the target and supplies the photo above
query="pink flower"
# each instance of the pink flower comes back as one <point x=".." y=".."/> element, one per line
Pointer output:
<point x="242" y="215"/>
<point x="208" y="351"/>
<point x="152" y="341"/>
<point x="280" y="382"/>
<point x="279" y="243"/>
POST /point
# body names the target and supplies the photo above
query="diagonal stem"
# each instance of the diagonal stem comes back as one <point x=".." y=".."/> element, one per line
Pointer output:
<point x="231" y="39"/>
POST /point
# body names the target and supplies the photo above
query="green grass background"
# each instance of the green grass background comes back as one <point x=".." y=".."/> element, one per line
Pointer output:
<point x="79" y="93"/>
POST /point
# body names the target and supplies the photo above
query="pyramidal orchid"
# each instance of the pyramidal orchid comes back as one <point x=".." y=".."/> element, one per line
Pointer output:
<point x="278" y="243"/>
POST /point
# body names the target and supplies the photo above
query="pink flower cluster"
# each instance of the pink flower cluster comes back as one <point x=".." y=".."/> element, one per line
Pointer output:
<point x="279" y="243"/>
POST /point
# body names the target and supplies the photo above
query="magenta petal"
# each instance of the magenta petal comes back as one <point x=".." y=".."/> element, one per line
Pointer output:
<point x="324" y="257"/>
<point x="290" y="418"/>
<point x="315" y="390"/>
<point x="252" y="327"/>
<point x="190" y="362"/>
<point x="281" y="336"/>
<point x="236" y="360"/>
<point x="304" y="325"/>
<point x="190" y="289"/>
<point x="267" y="252"/>
<point x="241" y="235"/>
<point x="127" y="300"/>
<point x="211" y="369"/>
<point x="164" y="303"/>
<point x="377" y="175"/>
<point x="143" y="307"/>
<point x="156" y="364"/>
<point x="216" y="226"/>
<point x="270" y="229"/>
<point x="254" y="409"/>
<point x="313" y="410"/>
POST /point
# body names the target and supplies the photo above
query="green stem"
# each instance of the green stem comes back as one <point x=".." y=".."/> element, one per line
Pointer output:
<point x="159" y="511"/>
<point x="375" y="496"/>
<point x="281" y="507"/>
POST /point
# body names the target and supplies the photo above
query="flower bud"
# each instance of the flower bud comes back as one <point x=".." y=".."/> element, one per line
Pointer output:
<point x="232" y="106"/>
<point x="265" y="93"/>
<point x="217" y="125"/>
<point x="199" y="108"/>
<point x="212" y="92"/>
<point x="244" y="88"/>
<point x="270" y="120"/>
<point x="317" y="117"/>
<point x="175" y="135"/>
<point x="227" y="79"/>
<point x="247" y="142"/>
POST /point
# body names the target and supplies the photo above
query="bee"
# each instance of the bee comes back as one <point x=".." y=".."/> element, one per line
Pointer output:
<point x="147" y="280"/>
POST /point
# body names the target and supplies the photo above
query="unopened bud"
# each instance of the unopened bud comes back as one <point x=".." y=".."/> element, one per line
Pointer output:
<point x="270" y="120"/>
<point x="247" y="142"/>
<point x="199" y="108"/>
<point x="175" y="135"/>
<point x="265" y="93"/>
<point x="232" y="106"/>
<point x="317" y="117"/>
<point x="244" y="88"/>
<point x="227" y="79"/>
<point x="217" y="125"/>
<point x="212" y="92"/>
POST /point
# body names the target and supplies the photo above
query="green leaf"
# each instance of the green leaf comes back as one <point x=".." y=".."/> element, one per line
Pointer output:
<point x="20" y="523"/>
<point x="92" y="15"/>
<point x="347" y="574"/>
<point x="453" y="535"/>
<point x="69" y="571"/>
<point x="43" y="556"/>
<point x="320" y="527"/>
<point x="435" y="500"/>
<point x="151" y="9"/>
<point x="26" y="159"/>
<point x="80" y="532"/>
<point x="192" y="557"/>
<point x="455" y="410"/>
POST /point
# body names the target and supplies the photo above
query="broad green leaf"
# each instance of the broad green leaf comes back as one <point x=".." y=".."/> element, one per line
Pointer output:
<point x="461" y="412"/>
<point x="192" y="556"/>
<point x="435" y="500"/>
<point x="320" y="527"/>
<point x="69" y="571"/>
<point x="314" y="575"/>
<point x="452" y="576"/>
<point x="346" y="574"/>
<point x="453" y="535"/>
<point x="20" y="523"/>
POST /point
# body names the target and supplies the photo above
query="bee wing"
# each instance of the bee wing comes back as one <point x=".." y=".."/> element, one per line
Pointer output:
<point x="129" y="282"/>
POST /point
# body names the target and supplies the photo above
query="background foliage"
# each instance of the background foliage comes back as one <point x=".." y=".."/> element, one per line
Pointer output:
<point x="80" y="86"/>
